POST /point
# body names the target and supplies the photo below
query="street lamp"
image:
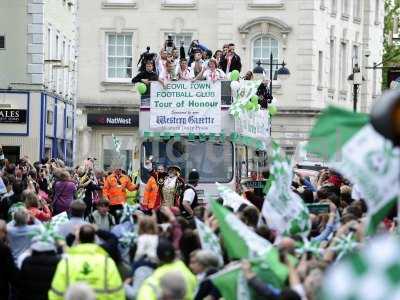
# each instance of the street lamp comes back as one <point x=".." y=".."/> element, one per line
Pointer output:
<point x="355" y="79"/>
<point x="282" y="72"/>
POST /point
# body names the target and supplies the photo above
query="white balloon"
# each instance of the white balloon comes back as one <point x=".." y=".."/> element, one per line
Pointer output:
<point x="235" y="85"/>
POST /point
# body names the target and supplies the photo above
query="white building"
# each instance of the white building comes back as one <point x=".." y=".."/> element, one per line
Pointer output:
<point x="38" y="48"/>
<point x="318" y="39"/>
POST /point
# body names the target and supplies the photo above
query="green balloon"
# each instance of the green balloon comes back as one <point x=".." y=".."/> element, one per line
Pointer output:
<point x="141" y="88"/>
<point x="235" y="75"/>
<point x="254" y="99"/>
<point x="249" y="106"/>
<point x="272" y="109"/>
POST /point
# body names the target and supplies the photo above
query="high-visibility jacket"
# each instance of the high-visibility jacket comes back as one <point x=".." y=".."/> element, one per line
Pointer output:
<point x="116" y="193"/>
<point x="88" y="263"/>
<point x="150" y="196"/>
<point x="150" y="288"/>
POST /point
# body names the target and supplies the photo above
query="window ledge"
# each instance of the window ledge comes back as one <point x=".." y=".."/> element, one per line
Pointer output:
<point x="171" y="6"/>
<point x="333" y="14"/>
<point x="345" y="17"/>
<point x="331" y="91"/>
<point x="266" y="6"/>
<point x="320" y="87"/>
<point x="109" y="82"/>
<point x="357" y="20"/>
<point x="119" y="5"/>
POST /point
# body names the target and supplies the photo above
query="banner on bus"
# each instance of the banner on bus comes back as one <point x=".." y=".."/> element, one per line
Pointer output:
<point x="255" y="124"/>
<point x="184" y="106"/>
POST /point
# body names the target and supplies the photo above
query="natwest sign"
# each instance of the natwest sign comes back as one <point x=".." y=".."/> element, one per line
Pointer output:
<point x="113" y="120"/>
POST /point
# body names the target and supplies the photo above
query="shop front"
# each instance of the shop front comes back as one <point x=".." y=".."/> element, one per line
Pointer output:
<point x="103" y="130"/>
<point x="37" y="125"/>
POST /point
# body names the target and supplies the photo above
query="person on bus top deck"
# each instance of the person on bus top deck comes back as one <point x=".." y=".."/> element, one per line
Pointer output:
<point x="190" y="200"/>
<point x="147" y="75"/>
<point x="171" y="187"/>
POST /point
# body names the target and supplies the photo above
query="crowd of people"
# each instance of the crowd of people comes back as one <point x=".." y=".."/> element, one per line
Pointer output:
<point x="68" y="233"/>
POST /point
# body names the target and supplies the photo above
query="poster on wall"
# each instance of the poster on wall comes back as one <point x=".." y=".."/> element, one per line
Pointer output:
<point x="186" y="107"/>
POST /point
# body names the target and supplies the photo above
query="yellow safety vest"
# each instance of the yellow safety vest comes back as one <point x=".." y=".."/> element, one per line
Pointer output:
<point x="88" y="263"/>
<point x="150" y="289"/>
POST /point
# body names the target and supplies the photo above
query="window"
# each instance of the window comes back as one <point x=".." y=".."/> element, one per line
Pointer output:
<point x="266" y="2"/>
<point x="69" y="122"/>
<point x="49" y="41"/>
<point x="49" y="117"/>
<point x="333" y="7"/>
<point x="57" y="47"/>
<point x="110" y="155"/>
<point x="214" y="161"/>
<point x="357" y="9"/>
<point x="56" y="71"/>
<point x="377" y="12"/>
<point x="355" y="54"/>
<point x="262" y="49"/>
<point x="343" y="66"/>
<point x="332" y="64"/>
<point x="185" y="37"/>
<point x="2" y="42"/>
<point x="178" y="2"/>
<point x="119" y="56"/>
<point x="345" y="8"/>
<point x="320" y="68"/>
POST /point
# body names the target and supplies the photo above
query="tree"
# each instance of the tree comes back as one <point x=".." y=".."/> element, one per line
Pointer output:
<point x="391" y="53"/>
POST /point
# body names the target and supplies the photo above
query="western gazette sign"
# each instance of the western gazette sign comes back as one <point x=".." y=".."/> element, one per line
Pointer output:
<point x="186" y="107"/>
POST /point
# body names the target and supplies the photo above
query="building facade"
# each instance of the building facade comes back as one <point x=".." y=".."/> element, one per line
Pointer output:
<point x="319" y="40"/>
<point x="38" y="78"/>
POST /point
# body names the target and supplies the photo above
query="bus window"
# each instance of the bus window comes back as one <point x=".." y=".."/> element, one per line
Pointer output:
<point x="214" y="161"/>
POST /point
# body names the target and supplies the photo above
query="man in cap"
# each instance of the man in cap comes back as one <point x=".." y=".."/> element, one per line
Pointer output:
<point x="115" y="187"/>
<point x="190" y="201"/>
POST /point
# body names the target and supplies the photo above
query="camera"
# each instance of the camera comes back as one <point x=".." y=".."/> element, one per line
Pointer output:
<point x="169" y="44"/>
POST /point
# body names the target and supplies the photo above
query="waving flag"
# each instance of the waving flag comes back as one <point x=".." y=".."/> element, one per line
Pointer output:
<point x="284" y="210"/>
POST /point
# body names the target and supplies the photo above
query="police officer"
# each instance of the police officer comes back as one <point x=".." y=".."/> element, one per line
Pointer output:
<point x="190" y="200"/>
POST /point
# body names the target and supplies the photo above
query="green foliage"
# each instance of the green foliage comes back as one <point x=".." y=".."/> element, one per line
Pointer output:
<point x="391" y="54"/>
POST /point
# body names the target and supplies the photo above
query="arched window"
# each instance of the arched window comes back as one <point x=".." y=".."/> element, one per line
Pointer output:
<point x="262" y="49"/>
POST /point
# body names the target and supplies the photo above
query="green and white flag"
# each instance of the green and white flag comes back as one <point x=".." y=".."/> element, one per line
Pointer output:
<point x="238" y="239"/>
<point x="116" y="143"/>
<point x="352" y="147"/>
<point x="59" y="219"/>
<point x="247" y="89"/>
<point x="345" y="245"/>
<point x="232" y="284"/>
<point x="284" y="210"/>
<point x="231" y="198"/>
<point x="370" y="274"/>
<point x="208" y="239"/>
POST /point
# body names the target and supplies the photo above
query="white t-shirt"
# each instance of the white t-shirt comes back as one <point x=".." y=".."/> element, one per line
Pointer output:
<point x="189" y="195"/>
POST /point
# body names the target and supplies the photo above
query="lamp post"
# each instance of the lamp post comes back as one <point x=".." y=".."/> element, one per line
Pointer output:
<point x="355" y="79"/>
<point x="282" y="72"/>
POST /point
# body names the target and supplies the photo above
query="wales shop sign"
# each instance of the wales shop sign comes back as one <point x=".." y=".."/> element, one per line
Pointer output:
<point x="13" y="116"/>
<point x="185" y="107"/>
